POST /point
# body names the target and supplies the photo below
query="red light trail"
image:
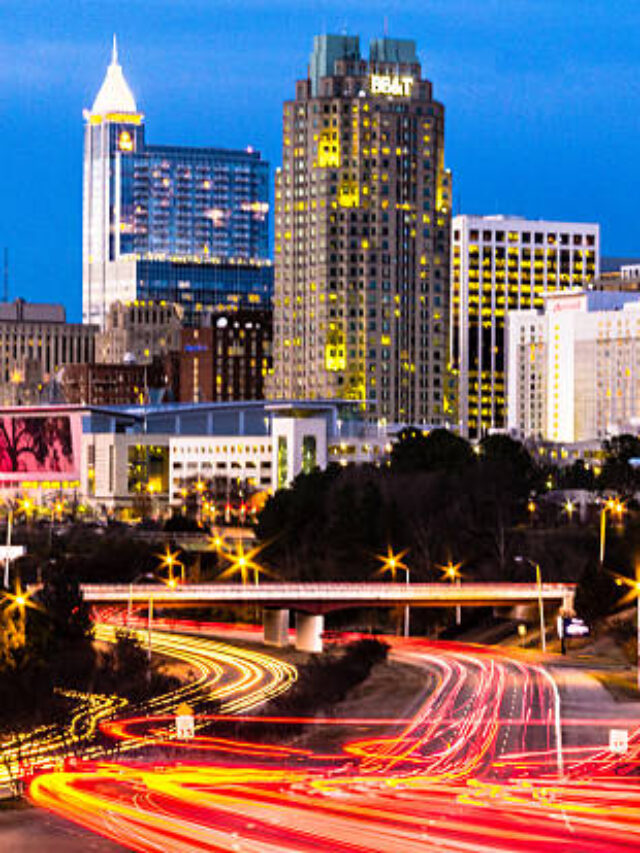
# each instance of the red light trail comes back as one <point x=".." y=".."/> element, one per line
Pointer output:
<point x="473" y="768"/>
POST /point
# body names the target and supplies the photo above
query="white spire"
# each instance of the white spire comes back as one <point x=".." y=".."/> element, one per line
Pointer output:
<point x="114" y="96"/>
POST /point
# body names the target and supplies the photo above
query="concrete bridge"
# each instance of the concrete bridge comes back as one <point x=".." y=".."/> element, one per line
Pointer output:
<point x="311" y="601"/>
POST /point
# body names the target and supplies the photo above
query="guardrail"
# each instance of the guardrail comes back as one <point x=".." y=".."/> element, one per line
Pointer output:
<point x="285" y="594"/>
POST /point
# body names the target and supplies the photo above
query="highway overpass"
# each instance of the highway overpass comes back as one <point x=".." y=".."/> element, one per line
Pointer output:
<point x="311" y="601"/>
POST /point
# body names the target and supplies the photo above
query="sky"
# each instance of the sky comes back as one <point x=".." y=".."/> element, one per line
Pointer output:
<point x="542" y="103"/>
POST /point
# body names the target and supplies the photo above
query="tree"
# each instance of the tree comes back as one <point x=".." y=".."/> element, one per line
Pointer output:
<point x="436" y="451"/>
<point x="64" y="604"/>
<point x="596" y="594"/>
<point x="617" y="472"/>
<point x="576" y="476"/>
<point x="503" y="453"/>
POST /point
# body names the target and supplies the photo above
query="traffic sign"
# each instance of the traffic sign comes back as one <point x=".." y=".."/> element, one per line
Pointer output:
<point x="618" y="741"/>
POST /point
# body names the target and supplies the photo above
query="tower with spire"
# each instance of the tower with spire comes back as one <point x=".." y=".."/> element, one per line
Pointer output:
<point x="114" y="132"/>
<point x="166" y="222"/>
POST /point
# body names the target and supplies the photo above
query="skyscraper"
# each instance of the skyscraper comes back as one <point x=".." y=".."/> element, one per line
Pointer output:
<point x="362" y="233"/>
<point x="187" y="225"/>
<point x="501" y="264"/>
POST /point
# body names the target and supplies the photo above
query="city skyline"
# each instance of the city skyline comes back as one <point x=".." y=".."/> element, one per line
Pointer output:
<point x="548" y="150"/>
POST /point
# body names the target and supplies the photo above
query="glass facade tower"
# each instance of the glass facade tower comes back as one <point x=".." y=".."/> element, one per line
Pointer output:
<point x="165" y="222"/>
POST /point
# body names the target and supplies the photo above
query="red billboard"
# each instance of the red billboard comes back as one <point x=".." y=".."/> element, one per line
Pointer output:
<point x="40" y="447"/>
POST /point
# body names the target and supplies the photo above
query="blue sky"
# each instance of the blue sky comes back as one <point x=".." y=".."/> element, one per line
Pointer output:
<point x="542" y="98"/>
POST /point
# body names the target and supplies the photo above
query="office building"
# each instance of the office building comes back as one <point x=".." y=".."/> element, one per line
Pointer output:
<point x="500" y="264"/>
<point x="630" y="272"/>
<point x="35" y="343"/>
<point x="574" y="367"/>
<point x="362" y="233"/>
<point x="168" y="223"/>
<point x="226" y="359"/>
<point x="93" y="384"/>
<point x="138" y="331"/>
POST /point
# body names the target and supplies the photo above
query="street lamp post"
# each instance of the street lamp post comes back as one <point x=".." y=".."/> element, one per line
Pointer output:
<point x="634" y="592"/>
<point x="616" y="506"/>
<point x="7" y="559"/>
<point x="391" y="563"/>
<point x="536" y="566"/>
<point x="452" y="572"/>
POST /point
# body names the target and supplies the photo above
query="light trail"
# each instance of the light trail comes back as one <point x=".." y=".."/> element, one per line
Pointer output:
<point x="473" y="769"/>
<point x="238" y="679"/>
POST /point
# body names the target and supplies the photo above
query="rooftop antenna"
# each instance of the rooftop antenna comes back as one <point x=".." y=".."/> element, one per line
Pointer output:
<point x="114" y="51"/>
<point x="5" y="291"/>
<point x="386" y="26"/>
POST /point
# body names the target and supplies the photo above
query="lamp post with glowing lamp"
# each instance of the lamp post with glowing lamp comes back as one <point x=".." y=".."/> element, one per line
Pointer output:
<point x="611" y="505"/>
<point x="634" y="593"/>
<point x="536" y="567"/>
<point x="569" y="507"/>
<point x="243" y="563"/>
<point x="19" y="600"/>
<point x="199" y="487"/>
<point x="168" y="561"/>
<point x="8" y="544"/>
<point x="451" y="572"/>
<point x="392" y="563"/>
<point x="531" y="509"/>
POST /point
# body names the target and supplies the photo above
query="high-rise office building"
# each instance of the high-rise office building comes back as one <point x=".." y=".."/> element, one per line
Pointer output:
<point x="573" y="367"/>
<point x="362" y="233"/>
<point x="500" y="264"/>
<point x="162" y="222"/>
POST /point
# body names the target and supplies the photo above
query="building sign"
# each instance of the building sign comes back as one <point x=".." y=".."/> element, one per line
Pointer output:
<point x="399" y="86"/>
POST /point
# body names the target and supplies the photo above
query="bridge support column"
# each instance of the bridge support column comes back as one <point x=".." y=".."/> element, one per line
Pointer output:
<point x="568" y="602"/>
<point x="275" y="626"/>
<point x="309" y="628"/>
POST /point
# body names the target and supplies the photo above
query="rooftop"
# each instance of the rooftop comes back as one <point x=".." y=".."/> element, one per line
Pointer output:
<point x="114" y="96"/>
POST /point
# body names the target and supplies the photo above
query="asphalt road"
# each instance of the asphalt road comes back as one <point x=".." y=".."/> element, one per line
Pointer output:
<point x="31" y="830"/>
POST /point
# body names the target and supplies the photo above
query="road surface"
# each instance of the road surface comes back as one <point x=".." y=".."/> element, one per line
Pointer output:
<point x="474" y="767"/>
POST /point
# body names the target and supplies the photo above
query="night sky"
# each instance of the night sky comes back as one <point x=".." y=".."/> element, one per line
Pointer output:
<point x="542" y="98"/>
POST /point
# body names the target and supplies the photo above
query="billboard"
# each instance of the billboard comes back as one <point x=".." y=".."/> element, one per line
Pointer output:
<point x="40" y="450"/>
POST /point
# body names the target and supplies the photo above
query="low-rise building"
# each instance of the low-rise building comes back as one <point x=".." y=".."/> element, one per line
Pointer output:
<point x="112" y="384"/>
<point x="35" y="343"/>
<point x="112" y="456"/>
<point x="138" y="331"/>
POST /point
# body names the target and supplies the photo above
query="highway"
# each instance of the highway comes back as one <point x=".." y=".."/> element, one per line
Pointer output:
<point x="475" y="766"/>
<point x="239" y="679"/>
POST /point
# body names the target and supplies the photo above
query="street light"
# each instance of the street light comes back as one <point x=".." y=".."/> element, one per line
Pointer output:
<point x="243" y="563"/>
<point x="452" y="572"/>
<point x="612" y="505"/>
<point x="634" y="592"/>
<point x="168" y="560"/>
<point x="536" y="566"/>
<point x="569" y="507"/>
<point x="20" y="600"/>
<point x="7" y="560"/>
<point x="391" y="563"/>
